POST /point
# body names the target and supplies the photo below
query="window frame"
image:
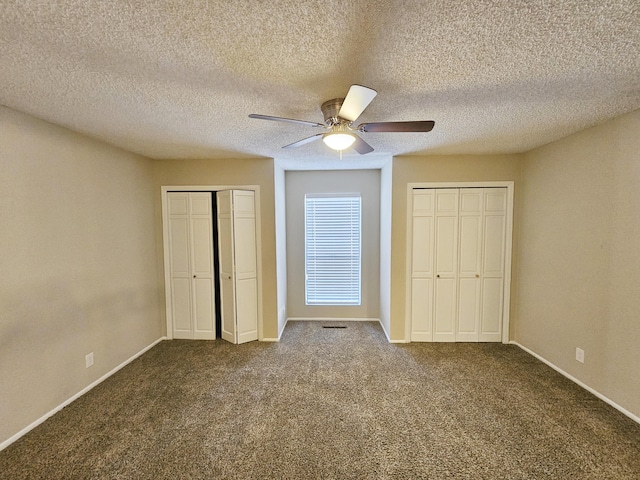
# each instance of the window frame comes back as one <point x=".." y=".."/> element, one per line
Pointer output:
<point x="352" y="295"/>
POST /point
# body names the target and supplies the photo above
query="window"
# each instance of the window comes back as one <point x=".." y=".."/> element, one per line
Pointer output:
<point x="332" y="249"/>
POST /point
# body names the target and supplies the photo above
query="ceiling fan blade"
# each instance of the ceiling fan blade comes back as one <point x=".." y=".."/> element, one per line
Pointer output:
<point x="361" y="146"/>
<point x="418" y="126"/>
<point x="288" y="120"/>
<point x="357" y="99"/>
<point x="304" y="141"/>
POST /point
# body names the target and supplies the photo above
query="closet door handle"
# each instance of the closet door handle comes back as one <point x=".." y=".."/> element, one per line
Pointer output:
<point x="477" y="275"/>
<point x="438" y="276"/>
<point x="194" y="276"/>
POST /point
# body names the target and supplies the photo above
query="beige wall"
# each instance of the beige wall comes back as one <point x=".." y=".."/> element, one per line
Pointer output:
<point x="386" y="216"/>
<point x="579" y="269"/>
<point x="281" y="245"/>
<point x="367" y="183"/>
<point x="82" y="261"/>
<point x="439" y="169"/>
<point x="229" y="172"/>
<point x="78" y="264"/>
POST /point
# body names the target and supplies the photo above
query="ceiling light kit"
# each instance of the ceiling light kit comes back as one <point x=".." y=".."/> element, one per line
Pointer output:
<point x="339" y="138"/>
<point x="339" y="115"/>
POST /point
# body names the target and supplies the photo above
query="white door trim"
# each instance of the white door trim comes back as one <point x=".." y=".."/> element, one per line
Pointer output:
<point x="509" y="185"/>
<point x="165" y="244"/>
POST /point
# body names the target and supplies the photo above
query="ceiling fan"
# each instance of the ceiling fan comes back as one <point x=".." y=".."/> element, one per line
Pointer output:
<point x="339" y="115"/>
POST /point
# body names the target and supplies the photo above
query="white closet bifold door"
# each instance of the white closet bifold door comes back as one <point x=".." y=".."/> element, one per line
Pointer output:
<point x="457" y="264"/>
<point x="191" y="265"/>
<point x="470" y="222"/>
<point x="446" y="265"/>
<point x="493" y="264"/>
<point x="422" y="267"/>
<point x="238" y="265"/>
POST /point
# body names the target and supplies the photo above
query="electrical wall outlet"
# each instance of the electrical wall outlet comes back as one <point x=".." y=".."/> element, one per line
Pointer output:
<point x="580" y="355"/>
<point x="88" y="359"/>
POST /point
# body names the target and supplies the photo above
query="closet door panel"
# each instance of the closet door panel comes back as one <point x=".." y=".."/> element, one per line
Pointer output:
<point x="470" y="229"/>
<point x="244" y="226"/>
<point x="423" y="202"/>
<point x="181" y="307"/>
<point x="447" y="201"/>
<point x="446" y="256"/>
<point x="202" y="229"/>
<point x="179" y="244"/>
<point x="493" y="265"/>
<point x="469" y="260"/>
<point x="204" y="312"/>
<point x="446" y="241"/>
<point x="178" y="203"/>
<point x="226" y="257"/>
<point x="446" y="251"/>
<point x="422" y="266"/>
<point x="225" y="232"/>
<point x="495" y="200"/>
<point x="238" y="265"/>
<point x="246" y="268"/>
<point x="247" y="318"/>
<point x="491" y="322"/>
<point x="422" y="249"/>
<point x="494" y="245"/>
<point x="245" y="247"/>
<point x="421" y="309"/>
<point x="180" y="267"/>
<point x="228" y="309"/>
<point x="468" y="314"/>
<point x="445" y="282"/>
<point x="201" y="234"/>
<point x="445" y="310"/>
<point x="204" y="309"/>
<point x="244" y="203"/>
<point x="471" y="201"/>
<point x="200" y="203"/>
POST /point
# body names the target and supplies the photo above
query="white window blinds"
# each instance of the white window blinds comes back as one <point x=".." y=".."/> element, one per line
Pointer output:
<point x="332" y="249"/>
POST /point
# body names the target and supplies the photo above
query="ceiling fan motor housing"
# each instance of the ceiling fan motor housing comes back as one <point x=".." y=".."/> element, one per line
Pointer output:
<point x="330" y="110"/>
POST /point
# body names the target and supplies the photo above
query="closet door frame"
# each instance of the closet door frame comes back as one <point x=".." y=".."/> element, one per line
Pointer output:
<point x="165" y="245"/>
<point x="506" y="299"/>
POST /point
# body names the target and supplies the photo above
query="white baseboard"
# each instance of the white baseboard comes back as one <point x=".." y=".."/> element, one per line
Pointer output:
<point x="33" y="425"/>
<point x="386" y="334"/>
<point x="272" y="339"/>
<point x="331" y="319"/>
<point x="280" y="332"/>
<point x="283" y="327"/>
<point x="633" y="417"/>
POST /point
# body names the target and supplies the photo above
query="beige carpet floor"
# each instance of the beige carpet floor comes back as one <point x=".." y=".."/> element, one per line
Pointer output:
<point x="331" y="403"/>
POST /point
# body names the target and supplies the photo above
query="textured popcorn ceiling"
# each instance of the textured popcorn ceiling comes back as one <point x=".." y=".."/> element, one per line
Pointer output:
<point x="177" y="79"/>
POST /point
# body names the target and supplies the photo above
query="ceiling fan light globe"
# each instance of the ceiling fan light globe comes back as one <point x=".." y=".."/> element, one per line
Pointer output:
<point x="338" y="141"/>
